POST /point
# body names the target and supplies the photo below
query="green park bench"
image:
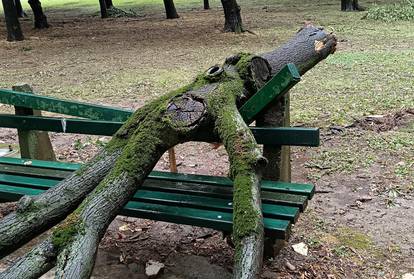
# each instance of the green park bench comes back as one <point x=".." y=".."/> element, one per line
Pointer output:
<point x="197" y="200"/>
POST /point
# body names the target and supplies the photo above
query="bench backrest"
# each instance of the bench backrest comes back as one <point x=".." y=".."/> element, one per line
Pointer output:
<point x="105" y="120"/>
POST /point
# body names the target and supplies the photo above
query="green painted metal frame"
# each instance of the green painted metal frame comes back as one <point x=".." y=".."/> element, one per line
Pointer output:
<point x="273" y="89"/>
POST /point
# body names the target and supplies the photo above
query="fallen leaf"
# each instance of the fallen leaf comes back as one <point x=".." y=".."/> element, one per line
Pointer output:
<point x="408" y="276"/>
<point x="301" y="248"/>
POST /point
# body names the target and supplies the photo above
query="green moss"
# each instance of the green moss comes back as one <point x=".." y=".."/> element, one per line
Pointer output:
<point x="245" y="214"/>
<point x="65" y="232"/>
<point x="357" y="240"/>
<point x="243" y="64"/>
<point x="243" y="156"/>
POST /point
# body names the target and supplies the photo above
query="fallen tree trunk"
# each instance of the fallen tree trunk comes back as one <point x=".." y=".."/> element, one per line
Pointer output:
<point x="87" y="202"/>
<point x="308" y="47"/>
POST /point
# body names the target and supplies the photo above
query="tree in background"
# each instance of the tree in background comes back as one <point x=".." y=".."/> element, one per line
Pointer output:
<point x="233" y="20"/>
<point x="170" y="10"/>
<point x="14" y="31"/>
<point x="19" y="9"/>
<point x="350" y="5"/>
<point x="206" y="5"/>
<point x="40" y="20"/>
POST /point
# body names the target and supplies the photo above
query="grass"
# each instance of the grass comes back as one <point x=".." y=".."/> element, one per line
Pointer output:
<point x="393" y="12"/>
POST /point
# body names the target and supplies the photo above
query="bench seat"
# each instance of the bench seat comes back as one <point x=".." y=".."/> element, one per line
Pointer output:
<point x="198" y="200"/>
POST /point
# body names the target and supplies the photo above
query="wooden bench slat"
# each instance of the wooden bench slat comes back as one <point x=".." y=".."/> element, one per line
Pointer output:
<point x="190" y="216"/>
<point x="293" y="136"/>
<point x="153" y="195"/>
<point x="179" y="187"/>
<point x="67" y="107"/>
<point x="220" y="191"/>
<point x="279" y="85"/>
<point x="277" y="186"/>
<point x="208" y="203"/>
<point x="173" y="199"/>
<point x="34" y="172"/>
<point x="269" y="135"/>
<point x="10" y="193"/>
<point x="184" y="187"/>
<point x="40" y="164"/>
<point x="167" y="212"/>
<point x="27" y="181"/>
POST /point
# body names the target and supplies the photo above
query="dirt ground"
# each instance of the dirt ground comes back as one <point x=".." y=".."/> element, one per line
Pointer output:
<point x="355" y="227"/>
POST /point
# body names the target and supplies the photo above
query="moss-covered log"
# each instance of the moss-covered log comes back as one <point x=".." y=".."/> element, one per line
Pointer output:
<point x="87" y="202"/>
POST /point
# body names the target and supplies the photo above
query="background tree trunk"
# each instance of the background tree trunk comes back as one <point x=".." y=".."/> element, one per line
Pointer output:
<point x="109" y="4"/>
<point x="14" y="31"/>
<point x="233" y="20"/>
<point x="40" y="20"/>
<point x="350" y="5"/>
<point x="19" y="9"/>
<point x="206" y="4"/>
<point x="170" y="10"/>
<point x="103" y="8"/>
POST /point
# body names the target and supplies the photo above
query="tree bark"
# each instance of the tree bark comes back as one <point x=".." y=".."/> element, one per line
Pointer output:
<point x="14" y="31"/>
<point x="232" y="17"/>
<point x="170" y="10"/>
<point x="103" y="8"/>
<point x="40" y="20"/>
<point x="109" y="4"/>
<point x="310" y="45"/>
<point x="206" y="5"/>
<point x="19" y="9"/>
<point x="350" y="5"/>
<point x="89" y="200"/>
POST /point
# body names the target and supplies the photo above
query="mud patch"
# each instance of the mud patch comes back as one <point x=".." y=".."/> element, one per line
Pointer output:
<point x="382" y="123"/>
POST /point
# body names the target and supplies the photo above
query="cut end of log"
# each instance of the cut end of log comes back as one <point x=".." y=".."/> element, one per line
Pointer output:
<point x="186" y="111"/>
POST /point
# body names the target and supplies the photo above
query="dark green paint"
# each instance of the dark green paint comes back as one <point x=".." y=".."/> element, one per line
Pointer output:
<point x="186" y="199"/>
<point x="67" y="107"/>
<point x="218" y="220"/>
<point x="273" y="89"/>
<point x="158" y="176"/>
<point x="270" y="136"/>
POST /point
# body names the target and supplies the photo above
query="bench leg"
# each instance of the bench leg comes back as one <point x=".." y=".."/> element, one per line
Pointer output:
<point x="272" y="247"/>
<point x="33" y="144"/>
